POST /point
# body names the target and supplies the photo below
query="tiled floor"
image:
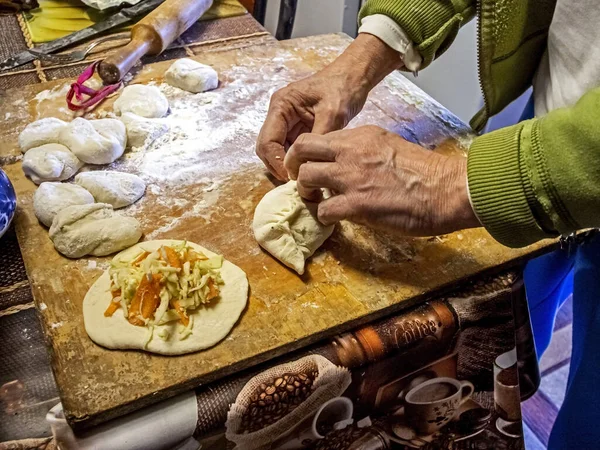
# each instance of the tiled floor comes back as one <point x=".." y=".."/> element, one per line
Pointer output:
<point x="539" y="412"/>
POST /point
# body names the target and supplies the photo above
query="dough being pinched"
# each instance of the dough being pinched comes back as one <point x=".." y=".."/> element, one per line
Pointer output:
<point x="192" y="76"/>
<point x="95" y="141"/>
<point x="145" y="101"/>
<point x="50" y="198"/>
<point x="287" y="227"/>
<point x="50" y="162"/>
<point x="41" y="132"/>
<point x="118" y="189"/>
<point x="93" y="230"/>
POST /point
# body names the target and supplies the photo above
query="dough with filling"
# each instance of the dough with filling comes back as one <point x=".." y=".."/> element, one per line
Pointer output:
<point x="142" y="132"/>
<point x="93" y="230"/>
<point x="50" y="162"/>
<point x="99" y="141"/>
<point x="52" y="197"/>
<point x="40" y="132"/>
<point x="286" y="226"/>
<point x="192" y="76"/>
<point x="118" y="189"/>
<point x="145" y="101"/>
<point x="211" y="323"/>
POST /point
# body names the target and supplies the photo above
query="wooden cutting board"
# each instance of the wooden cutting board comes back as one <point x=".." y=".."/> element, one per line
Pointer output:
<point x="204" y="181"/>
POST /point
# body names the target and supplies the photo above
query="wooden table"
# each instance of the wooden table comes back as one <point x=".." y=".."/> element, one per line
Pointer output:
<point x="203" y="185"/>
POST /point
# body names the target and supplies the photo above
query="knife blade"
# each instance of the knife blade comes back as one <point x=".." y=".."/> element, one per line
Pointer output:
<point x="121" y="18"/>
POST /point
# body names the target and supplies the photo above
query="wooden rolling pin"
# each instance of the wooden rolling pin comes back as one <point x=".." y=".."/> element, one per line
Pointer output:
<point x="152" y="35"/>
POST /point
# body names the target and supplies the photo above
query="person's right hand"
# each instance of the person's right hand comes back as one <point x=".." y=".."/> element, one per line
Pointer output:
<point x="325" y="101"/>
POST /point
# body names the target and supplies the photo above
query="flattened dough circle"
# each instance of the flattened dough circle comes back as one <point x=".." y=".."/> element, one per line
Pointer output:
<point x="211" y="324"/>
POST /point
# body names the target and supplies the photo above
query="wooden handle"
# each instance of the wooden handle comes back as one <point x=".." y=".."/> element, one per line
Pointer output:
<point x="152" y="35"/>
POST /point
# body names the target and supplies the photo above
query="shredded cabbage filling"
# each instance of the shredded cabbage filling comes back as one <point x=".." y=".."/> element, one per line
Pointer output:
<point x="163" y="286"/>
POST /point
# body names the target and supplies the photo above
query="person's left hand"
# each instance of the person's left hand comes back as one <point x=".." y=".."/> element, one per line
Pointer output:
<point x="380" y="180"/>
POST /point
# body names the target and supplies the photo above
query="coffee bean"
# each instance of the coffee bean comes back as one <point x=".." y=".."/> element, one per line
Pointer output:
<point x="276" y="397"/>
<point x="261" y="403"/>
<point x="270" y="390"/>
<point x="263" y="386"/>
<point x="278" y="382"/>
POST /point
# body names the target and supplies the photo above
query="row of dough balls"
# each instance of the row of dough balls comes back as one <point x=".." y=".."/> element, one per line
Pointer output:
<point x="81" y="216"/>
<point x="55" y="150"/>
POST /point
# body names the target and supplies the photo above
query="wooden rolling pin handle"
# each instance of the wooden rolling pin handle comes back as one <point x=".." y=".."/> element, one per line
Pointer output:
<point x="152" y="35"/>
<point x="143" y="41"/>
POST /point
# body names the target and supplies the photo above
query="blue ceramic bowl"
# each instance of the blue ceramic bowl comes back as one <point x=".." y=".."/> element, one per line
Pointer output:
<point x="8" y="202"/>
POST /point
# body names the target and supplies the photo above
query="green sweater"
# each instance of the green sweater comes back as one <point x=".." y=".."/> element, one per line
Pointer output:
<point x="534" y="180"/>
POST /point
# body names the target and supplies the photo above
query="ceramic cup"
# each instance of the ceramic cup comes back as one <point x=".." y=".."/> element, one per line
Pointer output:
<point x="335" y="412"/>
<point x="434" y="403"/>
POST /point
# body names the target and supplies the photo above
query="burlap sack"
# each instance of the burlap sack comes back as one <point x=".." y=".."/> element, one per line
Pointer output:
<point x="330" y="382"/>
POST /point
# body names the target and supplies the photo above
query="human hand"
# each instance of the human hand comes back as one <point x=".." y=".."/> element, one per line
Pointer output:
<point x="325" y="101"/>
<point x="380" y="180"/>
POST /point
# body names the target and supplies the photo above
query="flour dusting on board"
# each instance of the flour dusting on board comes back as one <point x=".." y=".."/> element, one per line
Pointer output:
<point x="57" y="92"/>
<point x="199" y="124"/>
<point x="184" y="168"/>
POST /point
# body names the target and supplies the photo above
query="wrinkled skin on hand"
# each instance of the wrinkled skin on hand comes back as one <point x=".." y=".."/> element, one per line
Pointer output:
<point x="325" y="101"/>
<point x="318" y="104"/>
<point x="383" y="181"/>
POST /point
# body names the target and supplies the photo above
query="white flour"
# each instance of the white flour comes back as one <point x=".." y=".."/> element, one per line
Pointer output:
<point x="198" y="125"/>
<point x="184" y="169"/>
<point x="59" y="91"/>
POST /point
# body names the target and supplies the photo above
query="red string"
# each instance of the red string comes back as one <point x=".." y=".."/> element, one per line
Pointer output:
<point x="81" y="91"/>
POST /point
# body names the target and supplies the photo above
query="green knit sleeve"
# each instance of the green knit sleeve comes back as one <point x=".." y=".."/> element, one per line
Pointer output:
<point x="540" y="178"/>
<point x="431" y="24"/>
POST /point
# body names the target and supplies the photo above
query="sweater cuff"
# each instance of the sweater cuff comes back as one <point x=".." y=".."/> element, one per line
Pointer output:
<point x="500" y="187"/>
<point x="431" y="25"/>
<point x="389" y="32"/>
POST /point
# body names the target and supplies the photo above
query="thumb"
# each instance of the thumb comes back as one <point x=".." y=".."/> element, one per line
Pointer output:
<point x="334" y="209"/>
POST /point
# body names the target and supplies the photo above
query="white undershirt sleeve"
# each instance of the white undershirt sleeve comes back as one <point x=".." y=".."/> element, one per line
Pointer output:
<point x="388" y="31"/>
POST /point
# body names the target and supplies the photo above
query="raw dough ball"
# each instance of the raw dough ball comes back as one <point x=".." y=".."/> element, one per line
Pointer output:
<point x="50" y="198"/>
<point x="96" y="229"/>
<point x="40" y="132"/>
<point x="286" y="226"/>
<point x="210" y="324"/>
<point x="145" y="101"/>
<point x="95" y="141"/>
<point x="142" y="132"/>
<point x="50" y="162"/>
<point x="192" y="76"/>
<point x="118" y="189"/>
